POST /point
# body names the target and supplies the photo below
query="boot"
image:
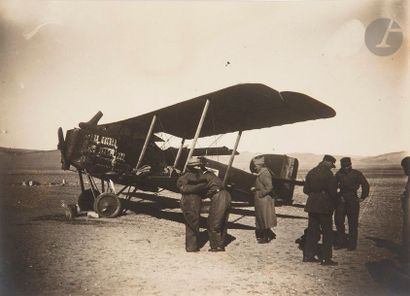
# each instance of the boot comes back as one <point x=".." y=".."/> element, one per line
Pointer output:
<point x="258" y="234"/>
<point x="266" y="237"/>
<point x="270" y="234"/>
<point x="328" y="262"/>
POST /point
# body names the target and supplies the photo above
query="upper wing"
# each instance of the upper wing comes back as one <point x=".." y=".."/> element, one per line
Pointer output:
<point x="236" y="108"/>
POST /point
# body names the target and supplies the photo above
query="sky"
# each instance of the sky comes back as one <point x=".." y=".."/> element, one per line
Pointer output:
<point x="61" y="62"/>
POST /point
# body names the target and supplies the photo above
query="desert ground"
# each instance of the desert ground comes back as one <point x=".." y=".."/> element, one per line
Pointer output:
<point x="142" y="252"/>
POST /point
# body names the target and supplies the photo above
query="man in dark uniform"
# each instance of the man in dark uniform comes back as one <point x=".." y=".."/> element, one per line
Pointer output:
<point x="349" y="181"/>
<point x="191" y="188"/>
<point x="321" y="188"/>
<point x="219" y="210"/>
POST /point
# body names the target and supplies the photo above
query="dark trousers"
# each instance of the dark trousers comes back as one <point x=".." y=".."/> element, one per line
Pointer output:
<point x="351" y="209"/>
<point x="191" y="208"/>
<point x="319" y="223"/>
<point x="218" y="219"/>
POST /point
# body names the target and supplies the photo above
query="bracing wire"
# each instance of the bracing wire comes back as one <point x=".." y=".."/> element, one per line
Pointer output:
<point x="216" y="141"/>
<point x="166" y="140"/>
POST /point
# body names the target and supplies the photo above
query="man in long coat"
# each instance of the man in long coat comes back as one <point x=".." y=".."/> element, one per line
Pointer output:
<point x="349" y="181"/>
<point x="321" y="188"/>
<point x="265" y="216"/>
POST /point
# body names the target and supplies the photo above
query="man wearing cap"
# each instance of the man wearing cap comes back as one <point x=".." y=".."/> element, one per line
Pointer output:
<point x="219" y="210"/>
<point x="321" y="188"/>
<point x="191" y="188"/>
<point x="349" y="181"/>
<point x="265" y="216"/>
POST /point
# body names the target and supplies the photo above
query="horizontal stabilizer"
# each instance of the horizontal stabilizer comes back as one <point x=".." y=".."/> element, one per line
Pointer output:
<point x="294" y="182"/>
<point x="210" y="151"/>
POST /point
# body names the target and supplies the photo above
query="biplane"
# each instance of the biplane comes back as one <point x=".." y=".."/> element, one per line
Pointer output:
<point x="127" y="153"/>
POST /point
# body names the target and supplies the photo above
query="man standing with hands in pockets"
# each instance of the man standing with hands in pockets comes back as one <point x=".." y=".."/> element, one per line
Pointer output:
<point x="265" y="215"/>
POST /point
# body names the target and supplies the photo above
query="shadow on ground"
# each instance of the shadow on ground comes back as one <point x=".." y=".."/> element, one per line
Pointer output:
<point x="387" y="244"/>
<point x="158" y="206"/>
<point x="204" y="238"/>
<point x="298" y="206"/>
<point x="392" y="275"/>
<point x="156" y="209"/>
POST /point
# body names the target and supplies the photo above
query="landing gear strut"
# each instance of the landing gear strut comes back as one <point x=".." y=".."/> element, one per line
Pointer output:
<point x="107" y="204"/>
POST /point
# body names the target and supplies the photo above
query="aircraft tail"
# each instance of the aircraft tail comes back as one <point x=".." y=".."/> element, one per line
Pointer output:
<point x="285" y="171"/>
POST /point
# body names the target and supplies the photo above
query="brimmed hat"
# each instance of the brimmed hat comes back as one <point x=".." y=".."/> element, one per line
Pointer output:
<point x="345" y="162"/>
<point x="195" y="161"/>
<point x="259" y="161"/>
<point x="330" y="159"/>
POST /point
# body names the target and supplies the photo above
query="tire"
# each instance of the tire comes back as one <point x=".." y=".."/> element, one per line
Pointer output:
<point x="108" y="205"/>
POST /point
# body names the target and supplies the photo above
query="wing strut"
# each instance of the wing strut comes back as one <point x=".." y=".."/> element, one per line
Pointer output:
<point x="147" y="138"/>
<point x="80" y="175"/>
<point x="198" y="131"/>
<point x="179" y="153"/>
<point x="238" y="137"/>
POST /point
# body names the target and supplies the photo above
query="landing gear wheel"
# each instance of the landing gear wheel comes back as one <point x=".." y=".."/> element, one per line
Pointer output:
<point x="108" y="205"/>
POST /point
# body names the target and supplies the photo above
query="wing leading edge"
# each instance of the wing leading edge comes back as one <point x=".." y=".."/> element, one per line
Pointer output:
<point x="236" y="108"/>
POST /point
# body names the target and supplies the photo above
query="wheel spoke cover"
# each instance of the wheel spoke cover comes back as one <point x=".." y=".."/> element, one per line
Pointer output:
<point x="107" y="205"/>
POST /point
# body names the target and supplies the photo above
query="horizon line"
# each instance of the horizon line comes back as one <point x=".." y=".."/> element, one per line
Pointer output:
<point x="245" y="151"/>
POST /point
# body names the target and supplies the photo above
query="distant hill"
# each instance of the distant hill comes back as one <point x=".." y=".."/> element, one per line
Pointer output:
<point x="25" y="159"/>
<point x="13" y="151"/>
<point x="388" y="158"/>
<point x="392" y="159"/>
<point x="309" y="160"/>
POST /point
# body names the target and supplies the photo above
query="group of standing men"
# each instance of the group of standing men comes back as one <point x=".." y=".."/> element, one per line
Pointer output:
<point x="328" y="194"/>
<point x="197" y="183"/>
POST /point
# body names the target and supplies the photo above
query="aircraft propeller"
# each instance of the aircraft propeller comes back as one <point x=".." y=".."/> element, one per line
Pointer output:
<point x="61" y="146"/>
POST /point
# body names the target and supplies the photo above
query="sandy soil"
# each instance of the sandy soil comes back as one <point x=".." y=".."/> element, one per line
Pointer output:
<point x="142" y="252"/>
